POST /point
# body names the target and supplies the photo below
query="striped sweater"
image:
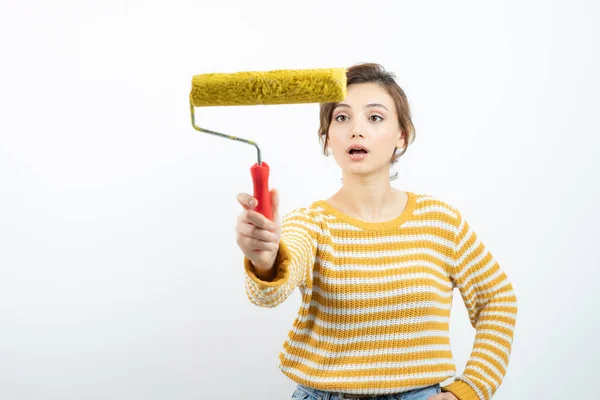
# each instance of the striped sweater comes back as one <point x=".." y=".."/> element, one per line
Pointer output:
<point x="376" y="299"/>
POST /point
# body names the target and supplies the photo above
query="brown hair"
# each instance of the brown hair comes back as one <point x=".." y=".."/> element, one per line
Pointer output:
<point x="367" y="73"/>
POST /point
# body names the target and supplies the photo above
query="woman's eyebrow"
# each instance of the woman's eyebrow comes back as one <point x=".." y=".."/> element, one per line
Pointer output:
<point x="370" y="105"/>
<point x="375" y="105"/>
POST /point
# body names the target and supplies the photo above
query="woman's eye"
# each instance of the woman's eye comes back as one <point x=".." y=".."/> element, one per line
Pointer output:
<point x="376" y="116"/>
<point x="340" y="116"/>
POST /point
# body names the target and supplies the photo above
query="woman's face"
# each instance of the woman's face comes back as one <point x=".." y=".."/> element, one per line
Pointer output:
<point x="366" y="117"/>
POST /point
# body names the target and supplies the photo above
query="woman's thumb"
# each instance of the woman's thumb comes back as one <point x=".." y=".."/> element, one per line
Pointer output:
<point x="275" y="204"/>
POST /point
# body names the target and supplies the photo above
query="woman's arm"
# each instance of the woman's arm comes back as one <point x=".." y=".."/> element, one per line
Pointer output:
<point x="492" y="306"/>
<point x="294" y="263"/>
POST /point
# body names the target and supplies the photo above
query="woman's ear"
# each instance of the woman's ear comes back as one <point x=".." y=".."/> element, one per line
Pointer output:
<point x="401" y="143"/>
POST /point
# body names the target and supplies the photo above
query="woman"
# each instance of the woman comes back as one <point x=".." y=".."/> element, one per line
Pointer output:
<point x="376" y="268"/>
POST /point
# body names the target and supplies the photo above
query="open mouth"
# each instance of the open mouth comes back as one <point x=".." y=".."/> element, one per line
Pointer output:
<point x="357" y="154"/>
<point x="357" y="151"/>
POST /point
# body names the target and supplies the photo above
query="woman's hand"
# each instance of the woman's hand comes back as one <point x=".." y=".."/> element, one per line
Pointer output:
<point x="257" y="237"/>
<point x="443" y="396"/>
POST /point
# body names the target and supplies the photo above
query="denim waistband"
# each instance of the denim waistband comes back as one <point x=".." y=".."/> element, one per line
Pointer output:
<point x="328" y="395"/>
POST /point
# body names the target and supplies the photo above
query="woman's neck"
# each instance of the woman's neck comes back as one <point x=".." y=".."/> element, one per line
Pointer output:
<point x="369" y="202"/>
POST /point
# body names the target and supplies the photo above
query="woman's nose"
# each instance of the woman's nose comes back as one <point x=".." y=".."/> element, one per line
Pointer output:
<point x="357" y="129"/>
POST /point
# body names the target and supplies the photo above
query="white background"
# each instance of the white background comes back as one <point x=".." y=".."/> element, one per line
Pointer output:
<point x="120" y="277"/>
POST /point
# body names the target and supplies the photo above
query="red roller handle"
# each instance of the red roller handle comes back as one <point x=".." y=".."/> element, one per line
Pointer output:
<point x="260" y="179"/>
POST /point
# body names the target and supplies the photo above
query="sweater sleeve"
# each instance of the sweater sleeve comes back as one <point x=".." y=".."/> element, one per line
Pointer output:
<point x="295" y="261"/>
<point x="492" y="307"/>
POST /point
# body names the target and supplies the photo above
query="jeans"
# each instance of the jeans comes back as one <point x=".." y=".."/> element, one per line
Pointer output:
<point x="307" y="393"/>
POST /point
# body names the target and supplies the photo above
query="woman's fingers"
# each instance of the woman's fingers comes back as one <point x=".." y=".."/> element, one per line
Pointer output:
<point x="254" y="232"/>
<point x="249" y="243"/>
<point x="256" y="219"/>
<point x="247" y="201"/>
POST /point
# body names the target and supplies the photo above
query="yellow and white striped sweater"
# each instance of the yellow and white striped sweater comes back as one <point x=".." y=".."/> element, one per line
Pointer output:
<point x="376" y="300"/>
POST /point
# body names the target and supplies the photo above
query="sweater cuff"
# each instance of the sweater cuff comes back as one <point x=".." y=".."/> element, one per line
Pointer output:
<point x="461" y="390"/>
<point x="282" y="264"/>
